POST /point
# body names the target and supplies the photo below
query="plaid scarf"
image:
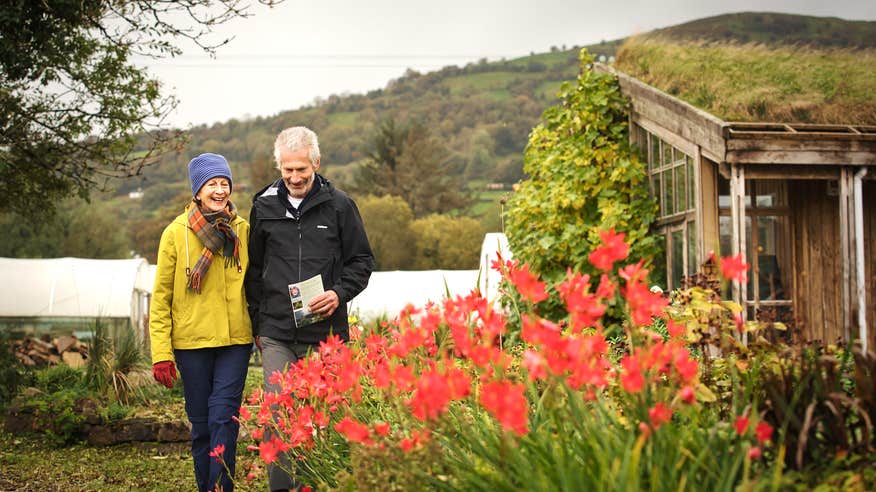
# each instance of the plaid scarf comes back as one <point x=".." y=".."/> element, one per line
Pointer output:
<point x="214" y="230"/>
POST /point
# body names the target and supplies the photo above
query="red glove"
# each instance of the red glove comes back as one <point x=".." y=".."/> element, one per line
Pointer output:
<point x="164" y="372"/>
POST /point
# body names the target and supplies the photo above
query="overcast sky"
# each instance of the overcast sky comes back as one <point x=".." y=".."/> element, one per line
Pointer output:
<point x="285" y="57"/>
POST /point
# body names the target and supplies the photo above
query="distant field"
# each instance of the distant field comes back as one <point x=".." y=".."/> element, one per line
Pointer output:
<point x="488" y="202"/>
<point x="347" y="118"/>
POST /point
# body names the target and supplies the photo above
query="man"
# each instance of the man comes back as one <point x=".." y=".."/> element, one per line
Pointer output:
<point x="302" y="227"/>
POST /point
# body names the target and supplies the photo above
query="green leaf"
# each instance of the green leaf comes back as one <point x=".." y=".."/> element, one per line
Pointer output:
<point x="704" y="394"/>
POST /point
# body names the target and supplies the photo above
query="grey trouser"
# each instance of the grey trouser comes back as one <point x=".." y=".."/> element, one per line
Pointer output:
<point x="278" y="355"/>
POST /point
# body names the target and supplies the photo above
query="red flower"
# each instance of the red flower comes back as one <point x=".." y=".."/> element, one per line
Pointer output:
<point x="527" y="284"/>
<point x="381" y="429"/>
<point x="406" y="444"/>
<point x="612" y="249"/>
<point x="735" y="268"/>
<point x="659" y="415"/>
<point x="270" y="449"/>
<point x="687" y="394"/>
<point x="686" y="366"/>
<point x="507" y="403"/>
<point x="632" y="379"/>
<point x="217" y="452"/>
<point x="432" y="396"/>
<point x="634" y="273"/>
<point x="606" y="287"/>
<point x="644" y="429"/>
<point x="417" y="439"/>
<point x="643" y="303"/>
<point x="763" y="431"/>
<point x="535" y="363"/>
<point x="675" y="329"/>
<point x="585" y="308"/>
<point x="754" y="453"/>
<point x="740" y="323"/>
<point x="353" y="431"/>
<point x="741" y="425"/>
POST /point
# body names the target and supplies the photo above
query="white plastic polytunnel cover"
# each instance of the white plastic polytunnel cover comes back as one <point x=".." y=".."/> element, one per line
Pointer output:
<point x="72" y="287"/>
<point x="389" y="292"/>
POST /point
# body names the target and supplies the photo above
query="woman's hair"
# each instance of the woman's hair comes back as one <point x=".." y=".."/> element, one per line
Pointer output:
<point x="294" y="139"/>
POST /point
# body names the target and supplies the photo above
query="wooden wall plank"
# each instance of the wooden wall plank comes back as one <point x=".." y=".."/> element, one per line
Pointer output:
<point x="818" y="299"/>
<point x="869" y="188"/>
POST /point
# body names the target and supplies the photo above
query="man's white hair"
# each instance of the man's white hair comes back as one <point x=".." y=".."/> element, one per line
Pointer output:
<point x="296" y="138"/>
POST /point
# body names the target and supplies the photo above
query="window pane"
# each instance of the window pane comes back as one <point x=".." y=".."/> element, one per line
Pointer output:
<point x="692" y="266"/>
<point x="677" y="258"/>
<point x="723" y="193"/>
<point x="770" y="193"/>
<point x="654" y="156"/>
<point x="725" y="233"/>
<point x="681" y="188"/>
<point x="658" y="275"/>
<point x="642" y="140"/>
<point x="667" y="154"/>
<point x="773" y="258"/>
<point x="658" y="192"/>
<point x="667" y="193"/>
<point x="691" y="185"/>
<point x="749" y="254"/>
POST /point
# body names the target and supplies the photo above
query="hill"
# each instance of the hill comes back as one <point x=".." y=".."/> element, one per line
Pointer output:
<point x="772" y="28"/>
<point x="482" y="113"/>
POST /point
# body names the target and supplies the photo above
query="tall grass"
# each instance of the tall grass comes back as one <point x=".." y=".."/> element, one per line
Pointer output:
<point x="754" y="82"/>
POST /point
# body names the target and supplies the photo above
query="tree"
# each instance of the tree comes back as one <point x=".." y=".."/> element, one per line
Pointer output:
<point x="78" y="229"/>
<point x="74" y="109"/>
<point x="408" y="162"/>
<point x="444" y="242"/>
<point x="388" y="222"/>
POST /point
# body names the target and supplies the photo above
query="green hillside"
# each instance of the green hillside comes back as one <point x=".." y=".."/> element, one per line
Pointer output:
<point x="773" y="28"/>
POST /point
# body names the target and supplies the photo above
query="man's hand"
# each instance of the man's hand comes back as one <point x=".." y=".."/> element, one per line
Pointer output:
<point x="258" y="342"/>
<point x="325" y="303"/>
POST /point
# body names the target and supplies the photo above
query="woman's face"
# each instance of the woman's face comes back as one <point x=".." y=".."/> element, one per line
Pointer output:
<point x="214" y="194"/>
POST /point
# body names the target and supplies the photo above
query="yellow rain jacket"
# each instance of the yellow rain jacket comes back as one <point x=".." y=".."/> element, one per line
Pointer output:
<point x="180" y="318"/>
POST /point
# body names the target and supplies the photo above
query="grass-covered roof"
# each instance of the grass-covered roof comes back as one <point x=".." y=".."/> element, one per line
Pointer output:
<point x="755" y="82"/>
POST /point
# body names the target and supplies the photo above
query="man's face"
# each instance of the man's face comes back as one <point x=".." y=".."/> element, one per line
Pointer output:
<point x="297" y="171"/>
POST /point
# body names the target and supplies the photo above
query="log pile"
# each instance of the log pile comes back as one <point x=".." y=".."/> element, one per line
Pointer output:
<point x="42" y="352"/>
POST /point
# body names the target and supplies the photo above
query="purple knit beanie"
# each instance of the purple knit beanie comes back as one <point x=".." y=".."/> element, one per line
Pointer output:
<point x="205" y="167"/>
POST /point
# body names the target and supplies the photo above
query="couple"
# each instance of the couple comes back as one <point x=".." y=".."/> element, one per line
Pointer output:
<point x="203" y="316"/>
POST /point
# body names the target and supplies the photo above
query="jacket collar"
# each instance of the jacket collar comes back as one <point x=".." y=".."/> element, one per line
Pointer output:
<point x="272" y="199"/>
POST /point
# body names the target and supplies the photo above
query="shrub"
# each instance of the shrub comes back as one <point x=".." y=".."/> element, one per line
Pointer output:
<point x="57" y="378"/>
<point x="13" y="374"/>
<point x="55" y="415"/>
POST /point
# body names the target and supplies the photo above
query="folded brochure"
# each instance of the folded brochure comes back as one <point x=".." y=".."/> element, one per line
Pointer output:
<point x="300" y="293"/>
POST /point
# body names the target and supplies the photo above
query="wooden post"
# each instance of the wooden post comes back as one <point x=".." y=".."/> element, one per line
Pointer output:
<point x="846" y="233"/>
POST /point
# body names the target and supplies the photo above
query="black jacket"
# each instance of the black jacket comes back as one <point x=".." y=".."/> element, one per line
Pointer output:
<point x="326" y="237"/>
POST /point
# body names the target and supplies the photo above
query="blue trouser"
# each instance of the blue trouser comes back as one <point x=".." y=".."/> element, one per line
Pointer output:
<point x="213" y="380"/>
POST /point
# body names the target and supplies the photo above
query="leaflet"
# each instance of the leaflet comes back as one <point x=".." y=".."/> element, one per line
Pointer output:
<point x="300" y="293"/>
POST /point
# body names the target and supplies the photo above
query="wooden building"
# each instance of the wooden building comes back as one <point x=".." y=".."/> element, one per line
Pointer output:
<point x="797" y="200"/>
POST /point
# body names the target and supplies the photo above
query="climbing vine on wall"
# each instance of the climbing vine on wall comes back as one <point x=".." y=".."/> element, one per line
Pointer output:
<point x="583" y="177"/>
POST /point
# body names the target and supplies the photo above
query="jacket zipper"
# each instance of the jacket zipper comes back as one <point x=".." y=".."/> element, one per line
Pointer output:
<point x="298" y="225"/>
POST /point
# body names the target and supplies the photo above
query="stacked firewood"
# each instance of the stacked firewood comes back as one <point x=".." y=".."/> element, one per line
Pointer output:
<point x="45" y="351"/>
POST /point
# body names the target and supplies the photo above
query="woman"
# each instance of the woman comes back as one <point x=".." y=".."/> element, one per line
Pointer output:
<point x="199" y="319"/>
